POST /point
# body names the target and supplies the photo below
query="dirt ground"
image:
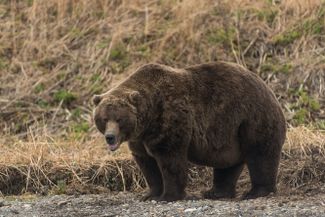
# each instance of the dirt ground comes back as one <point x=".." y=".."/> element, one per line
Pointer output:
<point x="128" y="204"/>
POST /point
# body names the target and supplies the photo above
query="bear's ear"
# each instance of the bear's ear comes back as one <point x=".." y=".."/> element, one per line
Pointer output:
<point x="97" y="99"/>
<point x="134" y="97"/>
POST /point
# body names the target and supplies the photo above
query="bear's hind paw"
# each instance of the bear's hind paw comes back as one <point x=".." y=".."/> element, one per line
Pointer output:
<point x="258" y="192"/>
<point x="149" y="196"/>
<point x="215" y="194"/>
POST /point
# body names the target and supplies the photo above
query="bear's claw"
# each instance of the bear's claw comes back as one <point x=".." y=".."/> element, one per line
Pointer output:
<point x="149" y="196"/>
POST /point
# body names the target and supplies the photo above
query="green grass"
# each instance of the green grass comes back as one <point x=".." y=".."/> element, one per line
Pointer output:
<point x="39" y="88"/>
<point x="3" y="63"/>
<point x="320" y="124"/>
<point x="104" y="43"/>
<point x="76" y="32"/>
<point x="65" y="96"/>
<point x="96" y="89"/>
<point x="304" y="105"/>
<point x="118" y="52"/>
<point x="300" y="116"/>
<point x="95" y="77"/>
<point x="308" y="101"/>
<point x="223" y="36"/>
<point x="276" y="67"/>
<point x="61" y="187"/>
<point x="268" y="15"/>
<point x="47" y="63"/>
<point x="144" y="50"/>
<point x="314" y="26"/>
<point x="82" y="127"/>
<point x="76" y="113"/>
<point x="43" y="103"/>
<point x="287" y="37"/>
<point x="311" y="26"/>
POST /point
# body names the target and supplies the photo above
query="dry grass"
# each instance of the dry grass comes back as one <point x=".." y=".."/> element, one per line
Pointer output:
<point x="303" y="159"/>
<point x="45" y="165"/>
<point x="305" y="141"/>
<point x="38" y="150"/>
<point x="55" y="54"/>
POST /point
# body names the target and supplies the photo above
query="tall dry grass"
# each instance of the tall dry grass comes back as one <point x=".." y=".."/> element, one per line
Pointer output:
<point x="54" y="55"/>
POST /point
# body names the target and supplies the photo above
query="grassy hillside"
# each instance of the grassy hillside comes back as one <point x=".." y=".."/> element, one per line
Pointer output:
<point x="56" y="54"/>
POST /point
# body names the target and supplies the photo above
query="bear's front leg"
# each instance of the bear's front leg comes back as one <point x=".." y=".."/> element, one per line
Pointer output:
<point x="173" y="168"/>
<point x="169" y="145"/>
<point x="151" y="172"/>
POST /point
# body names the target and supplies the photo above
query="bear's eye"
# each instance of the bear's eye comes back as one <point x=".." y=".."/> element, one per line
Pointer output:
<point x="118" y="120"/>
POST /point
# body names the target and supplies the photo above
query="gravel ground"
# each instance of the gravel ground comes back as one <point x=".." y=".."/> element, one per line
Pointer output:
<point x="127" y="204"/>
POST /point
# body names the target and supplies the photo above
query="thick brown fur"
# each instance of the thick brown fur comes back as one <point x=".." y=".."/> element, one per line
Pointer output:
<point x="218" y="114"/>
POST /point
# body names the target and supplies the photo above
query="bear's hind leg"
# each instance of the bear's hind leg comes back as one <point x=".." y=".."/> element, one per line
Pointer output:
<point x="224" y="182"/>
<point x="151" y="172"/>
<point x="263" y="167"/>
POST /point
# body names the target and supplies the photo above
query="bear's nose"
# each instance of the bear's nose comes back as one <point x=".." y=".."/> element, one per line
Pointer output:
<point x="110" y="138"/>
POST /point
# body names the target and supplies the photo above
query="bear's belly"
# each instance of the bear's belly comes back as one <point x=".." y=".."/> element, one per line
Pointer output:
<point x="208" y="155"/>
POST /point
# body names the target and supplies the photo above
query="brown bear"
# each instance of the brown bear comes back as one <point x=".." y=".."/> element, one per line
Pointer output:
<point x="217" y="114"/>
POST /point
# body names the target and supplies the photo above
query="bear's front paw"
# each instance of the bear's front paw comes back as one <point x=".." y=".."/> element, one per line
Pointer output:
<point x="218" y="194"/>
<point x="172" y="197"/>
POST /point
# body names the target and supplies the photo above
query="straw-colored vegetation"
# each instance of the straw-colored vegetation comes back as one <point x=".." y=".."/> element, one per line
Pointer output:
<point x="55" y="54"/>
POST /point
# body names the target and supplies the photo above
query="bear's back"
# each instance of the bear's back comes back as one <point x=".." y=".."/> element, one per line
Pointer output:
<point x="205" y="83"/>
<point x="227" y="79"/>
<point x="221" y="73"/>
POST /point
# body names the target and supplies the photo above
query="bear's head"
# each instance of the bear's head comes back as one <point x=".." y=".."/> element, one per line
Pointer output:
<point x="116" y="117"/>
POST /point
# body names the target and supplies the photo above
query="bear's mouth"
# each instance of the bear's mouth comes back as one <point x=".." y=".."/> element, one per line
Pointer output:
<point x="112" y="141"/>
<point x="113" y="147"/>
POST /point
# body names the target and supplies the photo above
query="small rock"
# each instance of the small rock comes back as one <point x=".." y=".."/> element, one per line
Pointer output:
<point x="61" y="203"/>
<point x="55" y="197"/>
<point x="27" y="206"/>
<point x="14" y="211"/>
<point x="2" y="202"/>
<point x="205" y="208"/>
<point x="262" y="208"/>
<point x="190" y="210"/>
<point x="44" y="190"/>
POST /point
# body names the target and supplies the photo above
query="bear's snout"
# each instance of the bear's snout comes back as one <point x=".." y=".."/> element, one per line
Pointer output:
<point x="110" y="139"/>
<point x="112" y="135"/>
